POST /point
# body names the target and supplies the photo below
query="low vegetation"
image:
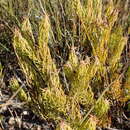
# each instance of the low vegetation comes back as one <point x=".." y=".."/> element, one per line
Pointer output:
<point x="72" y="56"/>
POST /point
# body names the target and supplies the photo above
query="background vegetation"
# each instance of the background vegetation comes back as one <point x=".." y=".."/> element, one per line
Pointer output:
<point x="67" y="60"/>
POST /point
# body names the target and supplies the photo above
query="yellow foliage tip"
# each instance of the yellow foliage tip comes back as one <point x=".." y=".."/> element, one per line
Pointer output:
<point x="71" y="64"/>
<point x="53" y="102"/>
<point x="102" y="107"/>
<point x="44" y="29"/>
<point x="14" y="85"/>
<point x="73" y="59"/>
<point x="21" y="44"/>
<point x="27" y="31"/>
<point x="77" y="7"/>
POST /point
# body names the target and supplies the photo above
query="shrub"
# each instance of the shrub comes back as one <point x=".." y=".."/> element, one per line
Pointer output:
<point x="71" y="67"/>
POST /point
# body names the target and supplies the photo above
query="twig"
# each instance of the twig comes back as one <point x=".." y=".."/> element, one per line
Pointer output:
<point x="40" y="3"/>
<point x="11" y="98"/>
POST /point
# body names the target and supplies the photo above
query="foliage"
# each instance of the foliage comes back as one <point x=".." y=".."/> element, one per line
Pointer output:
<point x="15" y="87"/>
<point x="70" y="60"/>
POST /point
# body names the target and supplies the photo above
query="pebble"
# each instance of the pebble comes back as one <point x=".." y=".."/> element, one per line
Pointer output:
<point x="11" y="121"/>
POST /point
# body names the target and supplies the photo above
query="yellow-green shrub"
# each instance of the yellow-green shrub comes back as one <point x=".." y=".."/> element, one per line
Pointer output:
<point x="86" y="75"/>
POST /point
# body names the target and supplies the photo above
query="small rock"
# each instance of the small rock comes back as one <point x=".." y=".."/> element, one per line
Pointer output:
<point x="25" y="112"/>
<point x="11" y="121"/>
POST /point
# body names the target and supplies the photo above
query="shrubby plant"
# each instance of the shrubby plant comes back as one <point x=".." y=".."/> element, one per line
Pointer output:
<point x="72" y="64"/>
